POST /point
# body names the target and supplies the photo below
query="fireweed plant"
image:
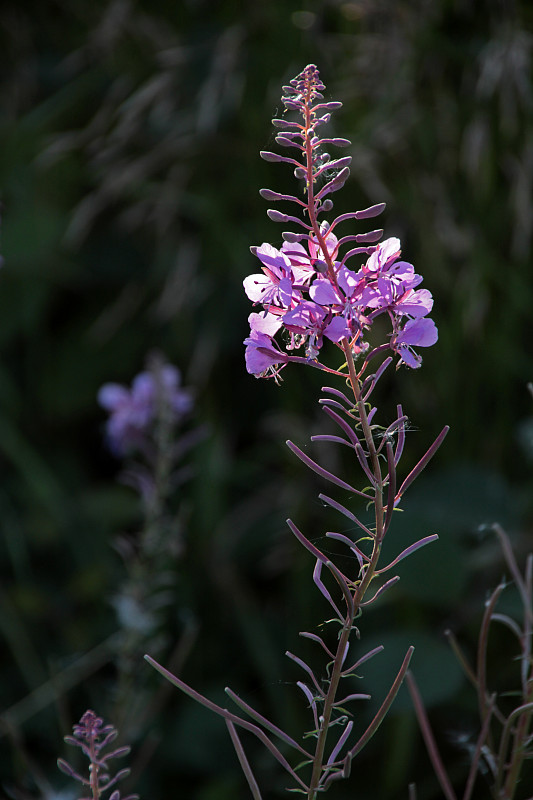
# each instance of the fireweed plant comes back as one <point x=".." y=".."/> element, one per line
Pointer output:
<point x="93" y="738"/>
<point x="144" y="430"/>
<point x="320" y="287"/>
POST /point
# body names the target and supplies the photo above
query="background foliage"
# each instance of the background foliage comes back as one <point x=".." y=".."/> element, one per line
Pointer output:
<point x="129" y="175"/>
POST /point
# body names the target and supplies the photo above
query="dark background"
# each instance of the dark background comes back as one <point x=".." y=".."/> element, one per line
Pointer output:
<point x="129" y="175"/>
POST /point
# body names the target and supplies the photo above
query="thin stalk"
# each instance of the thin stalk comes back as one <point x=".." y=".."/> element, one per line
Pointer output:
<point x="429" y="739"/>
<point x="474" y="766"/>
<point x="245" y="765"/>
<point x="482" y="690"/>
<point x="93" y="773"/>
<point x="524" y="714"/>
<point x="359" y="594"/>
<point x="336" y="673"/>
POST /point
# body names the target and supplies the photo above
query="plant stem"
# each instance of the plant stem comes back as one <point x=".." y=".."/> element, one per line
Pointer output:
<point x="360" y="591"/>
<point x="93" y="773"/>
<point x="518" y="753"/>
<point x="369" y="570"/>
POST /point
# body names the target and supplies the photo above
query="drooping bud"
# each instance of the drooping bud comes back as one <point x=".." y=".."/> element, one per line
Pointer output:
<point x="338" y="141"/>
<point x="285" y="142"/>
<point x="267" y="156"/>
<point x="372" y="211"/>
<point x="289" y="236"/>
<point x="370" y="236"/>
<point x="277" y="216"/>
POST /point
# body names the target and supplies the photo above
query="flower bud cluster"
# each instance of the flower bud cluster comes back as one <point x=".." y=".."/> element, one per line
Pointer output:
<point x="306" y="289"/>
<point x="92" y="736"/>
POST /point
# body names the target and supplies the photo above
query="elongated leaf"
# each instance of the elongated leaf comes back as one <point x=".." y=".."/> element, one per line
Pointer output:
<point x="339" y="394"/>
<point x="323" y="589"/>
<point x="391" y="494"/>
<point x="407" y="552"/>
<point x="342" y="581"/>
<point x="344" y="424"/>
<point x="245" y="765"/>
<point x="426" y="458"/>
<point x="429" y="740"/>
<point x="325" y="437"/>
<point x="347" y="513"/>
<point x="380" y="716"/>
<point x="317" y="639"/>
<point x="311" y="700"/>
<point x="264" y="721"/>
<point x="382" y="589"/>
<point x="227" y="715"/>
<point x="306" y="669"/>
<point x="320" y="470"/>
<point x="342" y="740"/>
<point x="401" y="435"/>
<point x="362" y="660"/>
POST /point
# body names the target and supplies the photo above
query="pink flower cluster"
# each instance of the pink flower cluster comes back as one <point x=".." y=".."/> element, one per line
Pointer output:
<point x="306" y="302"/>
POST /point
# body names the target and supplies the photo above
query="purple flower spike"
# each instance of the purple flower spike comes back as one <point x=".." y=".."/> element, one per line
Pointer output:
<point x="306" y="287"/>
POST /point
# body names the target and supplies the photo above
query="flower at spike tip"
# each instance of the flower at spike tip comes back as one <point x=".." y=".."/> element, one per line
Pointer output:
<point x="317" y="286"/>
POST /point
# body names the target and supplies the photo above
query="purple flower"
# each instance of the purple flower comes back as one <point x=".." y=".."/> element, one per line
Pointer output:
<point x="306" y="319"/>
<point x="133" y="411"/>
<point x="301" y="265"/>
<point x="385" y="254"/>
<point x="415" y="304"/>
<point x="345" y="300"/>
<point x="261" y="353"/>
<point x="275" y="285"/>
<point x="419" y="332"/>
<point x="337" y="329"/>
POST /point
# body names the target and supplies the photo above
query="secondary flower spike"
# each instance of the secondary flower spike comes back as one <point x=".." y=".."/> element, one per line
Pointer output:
<point x="317" y="286"/>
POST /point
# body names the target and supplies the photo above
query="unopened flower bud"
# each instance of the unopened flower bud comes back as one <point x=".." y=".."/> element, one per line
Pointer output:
<point x="276" y="216"/>
<point x="289" y="236"/>
<point x="268" y="156"/>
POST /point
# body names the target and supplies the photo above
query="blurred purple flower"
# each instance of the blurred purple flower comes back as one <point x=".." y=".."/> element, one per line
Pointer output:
<point x="133" y="411"/>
